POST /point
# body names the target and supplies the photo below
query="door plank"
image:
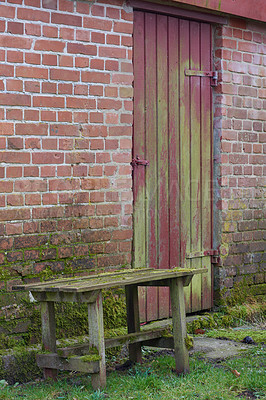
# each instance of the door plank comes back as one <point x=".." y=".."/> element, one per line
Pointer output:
<point x="162" y="134"/>
<point x="206" y="150"/>
<point x="195" y="163"/>
<point x="185" y="152"/>
<point x="139" y="250"/>
<point x="151" y="155"/>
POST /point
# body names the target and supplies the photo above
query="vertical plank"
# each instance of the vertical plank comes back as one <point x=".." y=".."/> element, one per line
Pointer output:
<point x="163" y="156"/>
<point x="174" y="237"/>
<point x="206" y="151"/>
<point x="195" y="162"/>
<point x="174" y="156"/>
<point x="184" y="151"/>
<point x="151" y="155"/>
<point x="96" y="338"/>
<point x="179" y="325"/>
<point x="139" y="223"/>
<point x="133" y="324"/>
<point x="48" y="334"/>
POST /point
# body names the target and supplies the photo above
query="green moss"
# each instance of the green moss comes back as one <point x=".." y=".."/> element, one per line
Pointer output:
<point x="90" y="358"/>
<point x="189" y="342"/>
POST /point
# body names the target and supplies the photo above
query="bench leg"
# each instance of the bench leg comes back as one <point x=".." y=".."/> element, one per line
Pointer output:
<point x="133" y="324"/>
<point x="48" y="334"/>
<point x="179" y="325"/>
<point x="96" y="338"/>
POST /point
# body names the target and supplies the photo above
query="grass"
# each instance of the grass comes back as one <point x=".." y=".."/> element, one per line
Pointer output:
<point x="259" y="336"/>
<point x="155" y="380"/>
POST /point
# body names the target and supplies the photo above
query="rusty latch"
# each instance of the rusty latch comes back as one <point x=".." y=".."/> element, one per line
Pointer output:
<point x="211" y="74"/>
<point x="138" y="161"/>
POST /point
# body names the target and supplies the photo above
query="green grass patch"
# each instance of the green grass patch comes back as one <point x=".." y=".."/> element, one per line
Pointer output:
<point x="155" y="379"/>
<point x="259" y="336"/>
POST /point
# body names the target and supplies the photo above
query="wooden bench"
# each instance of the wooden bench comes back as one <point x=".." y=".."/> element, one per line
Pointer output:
<point x="90" y="357"/>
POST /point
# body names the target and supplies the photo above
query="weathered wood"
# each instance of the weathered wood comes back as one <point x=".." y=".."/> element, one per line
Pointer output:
<point x="207" y="160"/>
<point x="133" y="324"/>
<point x="48" y="334"/>
<point x="151" y="211"/>
<point x="179" y="325"/>
<point x="44" y="285"/>
<point x="104" y="281"/>
<point x="87" y="297"/>
<point x="55" y="362"/>
<point x="96" y="339"/>
<point x="137" y="337"/>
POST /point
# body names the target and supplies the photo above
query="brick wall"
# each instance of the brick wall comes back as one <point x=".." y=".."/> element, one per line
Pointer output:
<point x="65" y="144"/>
<point x="240" y="134"/>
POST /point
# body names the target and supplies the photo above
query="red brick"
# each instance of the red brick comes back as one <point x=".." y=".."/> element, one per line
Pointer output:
<point x="50" y="31"/>
<point x="33" y="199"/>
<point x="49" y="59"/>
<point x="30" y="185"/>
<point x="14" y="56"/>
<point x="15" y="200"/>
<point x="123" y="27"/>
<point x="66" y="33"/>
<point x="7" y="11"/>
<point x="31" y="129"/>
<point x="31" y="115"/>
<point x="47" y="158"/>
<point x="48" y="171"/>
<point x="113" y="13"/>
<point x="97" y="37"/>
<point x="81" y="90"/>
<point x="50" y="4"/>
<point x="49" y="45"/>
<point x="16" y="28"/>
<point x="33" y="29"/>
<point x="64" y="116"/>
<point x="33" y="58"/>
<point x="32" y="86"/>
<point x="49" y="198"/>
<point x="33" y="15"/>
<point x="75" y="102"/>
<point x="96" y="90"/>
<point x="66" y="61"/>
<point x="80" y="157"/>
<point x="48" y="101"/>
<point x="63" y="184"/>
<point x="49" y="87"/>
<point x="49" y="144"/>
<point x="96" y="117"/>
<point x="97" y="24"/>
<point x="83" y="36"/>
<point x="66" y="5"/>
<point x="97" y="64"/>
<point x="97" y="170"/>
<point x="66" y="144"/>
<point x="64" y="74"/>
<point x="31" y="171"/>
<point x="14" y="157"/>
<point x="113" y="39"/>
<point x="79" y="48"/>
<point x="64" y="130"/>
<point x="32" y="72"/>
<point x="15" y="99"/>
<point x="15" y="143"/>
<point x="65" y="88"/>
<point x="64" y="19"/>
<point x="48" y="116"/>
<point x="112" y="52"/>
<point x="16" y="42"/>
<point x="81" y="117"/>
<point x="64" y="170"/>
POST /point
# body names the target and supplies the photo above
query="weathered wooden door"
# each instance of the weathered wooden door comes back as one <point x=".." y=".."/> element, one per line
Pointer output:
<point x="172" y="131"/>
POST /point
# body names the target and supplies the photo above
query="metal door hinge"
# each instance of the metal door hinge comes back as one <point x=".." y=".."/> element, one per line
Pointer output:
<point x="138" y="161"/>
<point x="210" y="74"/>
<point x="205" y="253"/>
